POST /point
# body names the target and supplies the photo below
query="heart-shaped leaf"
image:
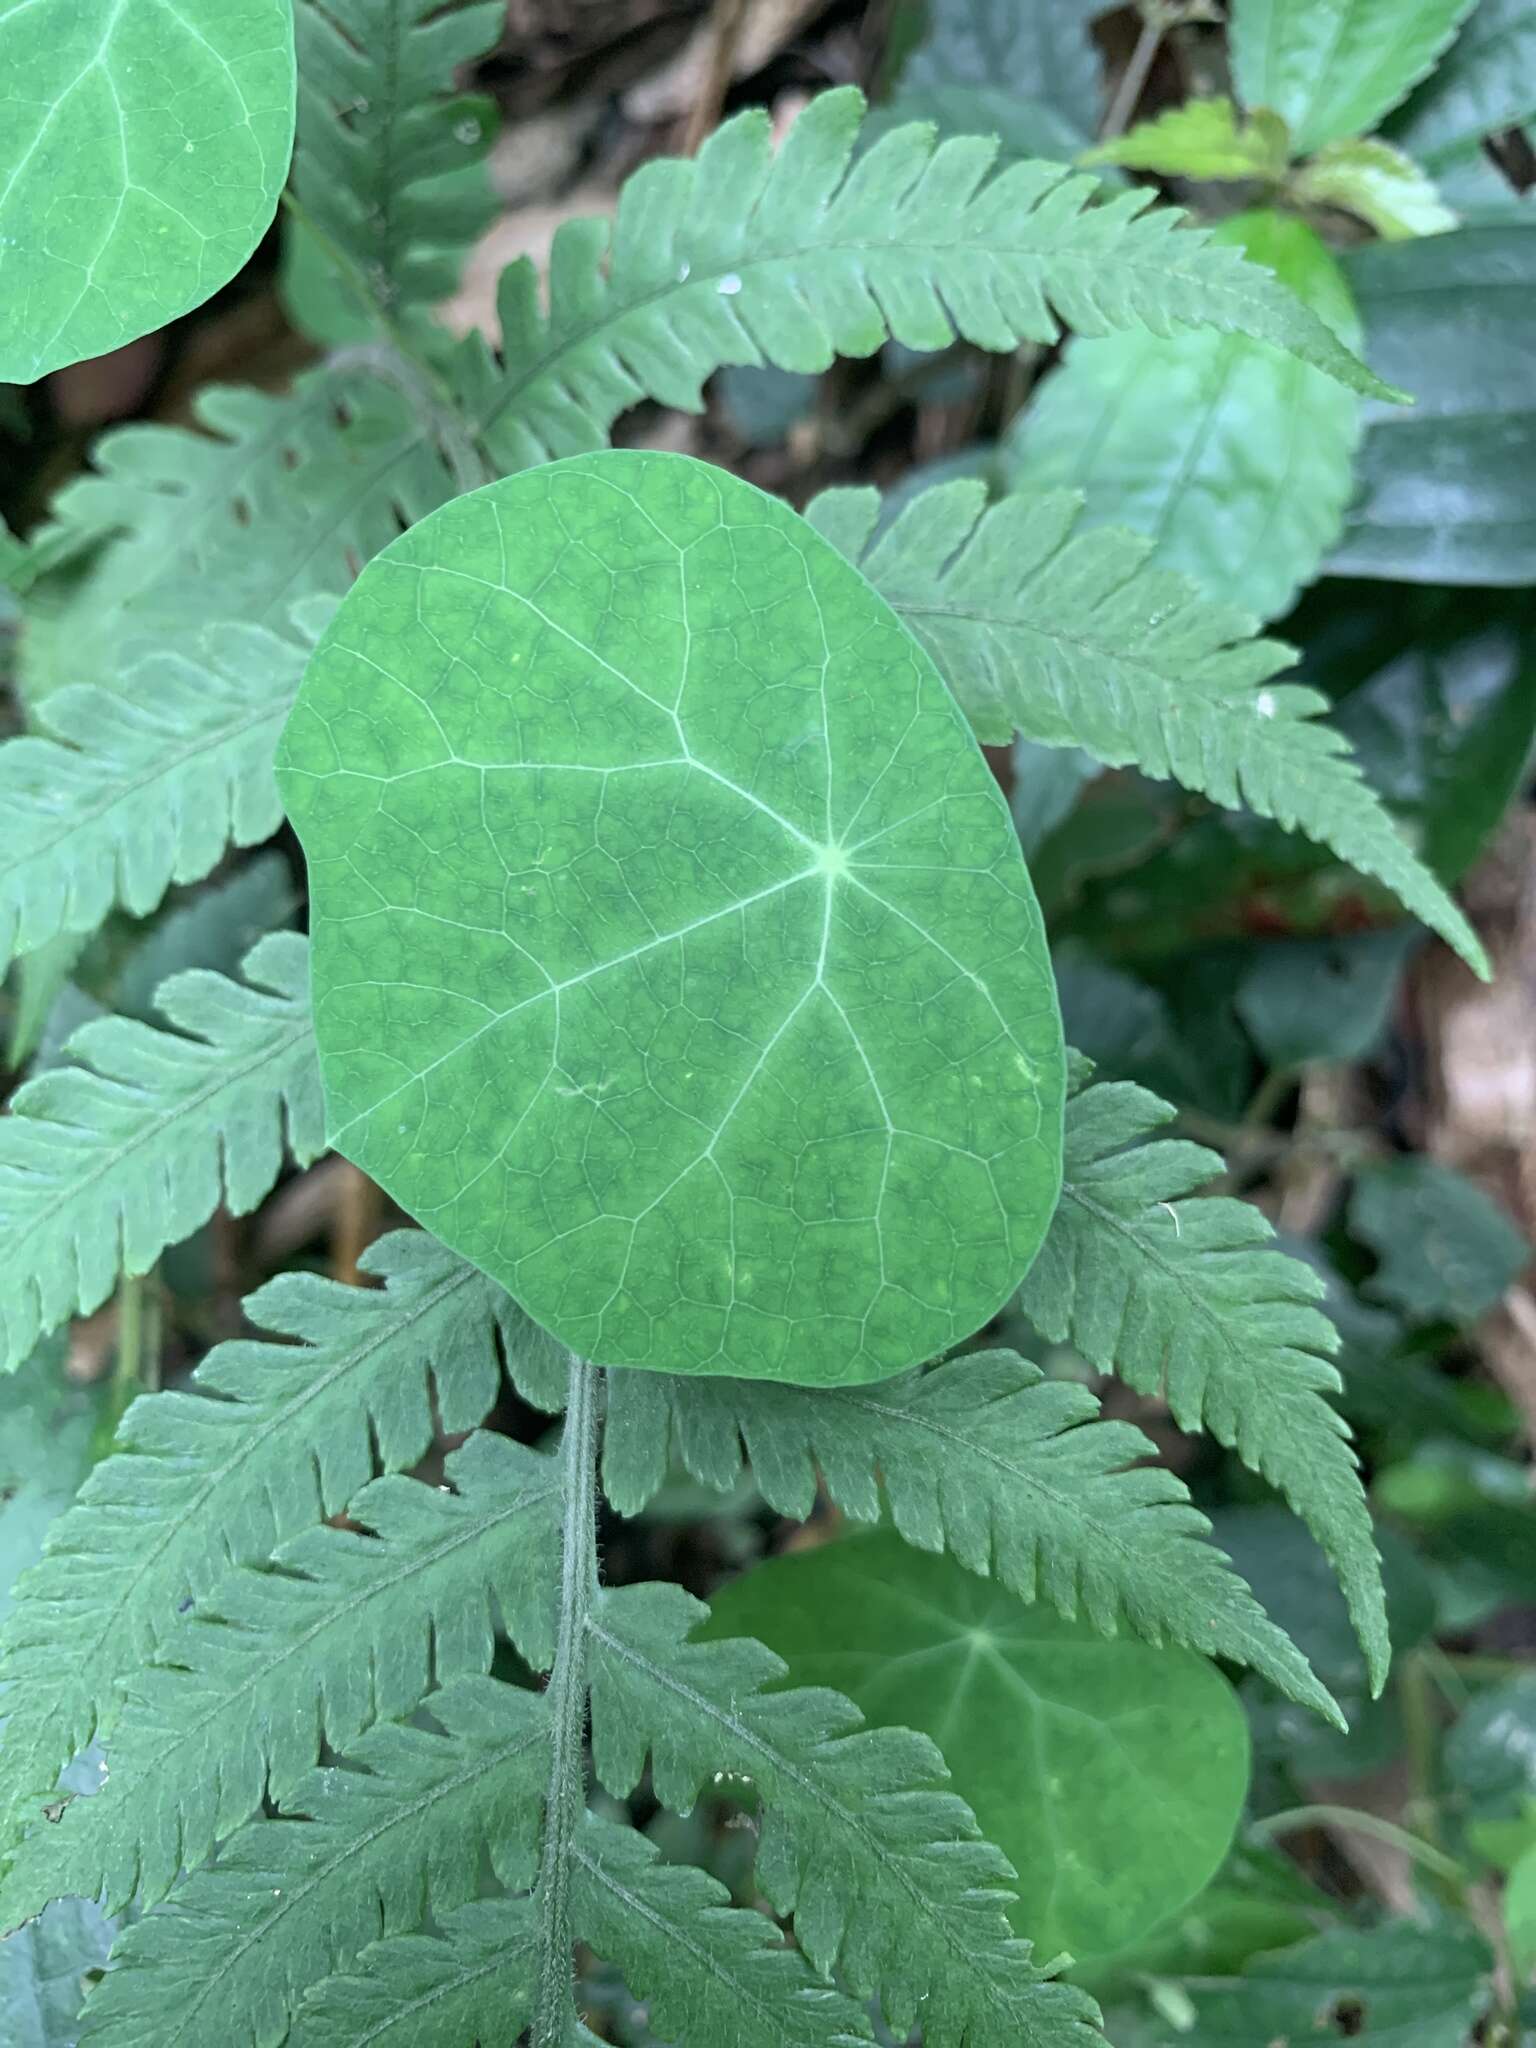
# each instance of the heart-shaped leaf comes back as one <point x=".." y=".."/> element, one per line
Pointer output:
<point x="674" y="957"/>
<point x="1111" y="1774"/>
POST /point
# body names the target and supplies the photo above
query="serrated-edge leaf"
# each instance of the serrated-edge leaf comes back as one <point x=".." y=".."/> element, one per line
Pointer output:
<point x="471" y="1981"/>
<point x="272" y="1438"/>
<point x="1202" y="139"/>
<point x="123" y="793"/>
<point x="359" y="1851"/>
<point x="141" y="1134"/>
<point x="707" y="1970"/>
<point x="1068" y="637"/>
<point x="987" y="1459"/>
<point x="1332" y="68"/>
<point x="383" y="149"/>
<point x="1189" y="1300"/>
<point x="791" y="256"/>
<point x="887" y="1878"/>
<point x="343" y="1627"/>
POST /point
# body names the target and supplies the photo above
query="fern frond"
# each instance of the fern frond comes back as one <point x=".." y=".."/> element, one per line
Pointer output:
<point x="107" y="1160"/>
<point x="886" y="1877"/>
<point x="473" y="1981"/>
<point x="123" y="792"/>
<point x="326" y="474"/>
<point x="707" y="1971"/>
<point x="274" y="1438"/>
<point x="983" y="1457"/>
<point x="384" y="156"/>
<point x="341" y="1629"/>
<point x="1068" y="637"/>
<point x="747" y="254"/>
<point x="369" y="1850"/>
<point x="1193" y="1303"/>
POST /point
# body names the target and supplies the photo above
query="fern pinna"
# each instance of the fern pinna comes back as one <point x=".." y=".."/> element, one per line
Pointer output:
<point x="367" y="1738"/>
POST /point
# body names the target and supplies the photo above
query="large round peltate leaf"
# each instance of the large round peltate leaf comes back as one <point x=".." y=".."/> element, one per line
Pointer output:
<point x="142" y="151"/>
<point x="674" y="957"/>
<point x="1111" y="1774"/>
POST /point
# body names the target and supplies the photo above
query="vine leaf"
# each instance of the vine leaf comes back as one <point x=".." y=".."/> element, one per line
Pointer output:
<point x="674" y="957"/>
<point x="145" y="148"/>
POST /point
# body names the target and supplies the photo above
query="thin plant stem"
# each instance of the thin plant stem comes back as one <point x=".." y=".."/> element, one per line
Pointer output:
<point x="1347" y="1818"/>
<point x="554" y="2023"/>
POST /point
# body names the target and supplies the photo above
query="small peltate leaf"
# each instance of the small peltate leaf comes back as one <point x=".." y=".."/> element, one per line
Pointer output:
<point x="1117" y="1789"/>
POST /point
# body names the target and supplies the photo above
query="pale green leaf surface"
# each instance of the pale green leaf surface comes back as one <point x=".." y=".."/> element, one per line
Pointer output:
<point x="273" y="1438"/>
<point x="119" y="795"/>
<point x="1379" y="185"/>
<point x="795" y="253"/>
<point x="1072" y="639"/>
<point x="344" y="1628"/>
<point x="1202" y="139"/>
<point x="1233" y="458"/>
<point x="1192" y="1304"/>
<point x="1485" y="82"/>
<point x="851" y="1836"/>
<point x="1332" y="68"/>
<point x="983" y="1458"/>
<point x="675" y="959"/>
<point x="357" y="1852"/>
<point x="1109" y="1773"/>
<point x="137" y="1139"/>
<point x="144" y="150"/>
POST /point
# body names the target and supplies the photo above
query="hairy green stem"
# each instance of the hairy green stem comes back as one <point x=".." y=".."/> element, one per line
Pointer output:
<point x="554" y="2024"/>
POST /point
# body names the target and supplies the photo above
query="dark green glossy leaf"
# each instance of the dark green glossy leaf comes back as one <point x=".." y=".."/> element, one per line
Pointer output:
<point x="1323" y="999"/>
<point x="674" y="957"/>
<point x="1110" y="1773"/>
<point x="1446" y="1250"/>
<point x="143" y="151"/>
<point x="1486" y="81"/>
<point x="1490" y="1753"/>
<point x="1437" y="692"/>
<point x="1292" y="1578"/>
<point x="1034" y="51"/>
<point x="1404" y="1985"/>
<point x="1445" y="491"/>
